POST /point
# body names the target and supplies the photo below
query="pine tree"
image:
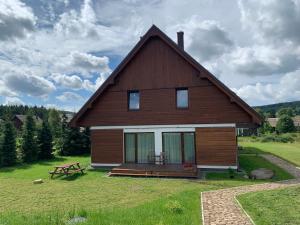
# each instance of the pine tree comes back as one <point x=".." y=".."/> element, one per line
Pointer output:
<point x="54" y="120"/>
<point x="45" y="141"/>
<point x="55" y="124"/>
<point x="29" y="143"/>
<point x="8" y="153"/>
<point x="72" y="142"/>
<point x="75" y="141"/>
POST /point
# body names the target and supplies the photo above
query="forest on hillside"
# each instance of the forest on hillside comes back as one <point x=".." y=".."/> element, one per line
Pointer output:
<point x="273" y="109"/>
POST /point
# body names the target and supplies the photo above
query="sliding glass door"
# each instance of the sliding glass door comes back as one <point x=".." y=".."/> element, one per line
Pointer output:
<point x="139" y="147"/>
<point x="179" y="147"/>
<point x="189" y="147"/>
<point x="172" y="147"/>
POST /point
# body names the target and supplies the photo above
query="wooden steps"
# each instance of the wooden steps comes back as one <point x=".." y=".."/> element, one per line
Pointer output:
<point x="150" y="170"/>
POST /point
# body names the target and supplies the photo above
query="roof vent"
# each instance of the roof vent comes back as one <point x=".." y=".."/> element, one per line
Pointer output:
<point x="180" y="41"/>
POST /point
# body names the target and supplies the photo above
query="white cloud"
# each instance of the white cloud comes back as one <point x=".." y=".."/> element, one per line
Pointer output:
<point x="287" y="89"/>
<point x="69" y="96"/>
<point x="16" y="20"/>
<point x="274" y="20"/>
<point x="88" y="85"/>
<point x="4" y="91"/>
<point x="29" y="84"/>
<point x="206" y="40"/>
<point x="264" y="60"/>
<point x="13" y="101"/>
<point x="84" y="63"/>
<point x="273" y="26"/>
<point x="73" y="82"/>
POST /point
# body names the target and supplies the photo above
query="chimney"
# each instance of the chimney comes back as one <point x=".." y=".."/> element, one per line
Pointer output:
<point x="180" y="39"/>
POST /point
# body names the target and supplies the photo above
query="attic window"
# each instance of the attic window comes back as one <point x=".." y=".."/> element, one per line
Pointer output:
<point x="182" y="98"/>
<point x="133" y="100"/>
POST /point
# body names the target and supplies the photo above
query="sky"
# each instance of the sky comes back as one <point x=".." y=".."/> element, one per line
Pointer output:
<point x="57" y="53"/>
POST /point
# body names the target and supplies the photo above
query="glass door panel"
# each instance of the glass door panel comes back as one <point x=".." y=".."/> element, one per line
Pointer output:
<point x="130" y="148"/>
<point x="189" y="147"/>
<point x="145" y="147"/>
<point x="172" y="147"/>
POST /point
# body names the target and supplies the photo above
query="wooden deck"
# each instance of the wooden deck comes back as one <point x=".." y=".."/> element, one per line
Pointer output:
<point x="152" y="170"/>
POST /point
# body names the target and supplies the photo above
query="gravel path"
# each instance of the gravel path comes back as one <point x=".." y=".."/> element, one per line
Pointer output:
<point x="220" y="207"/>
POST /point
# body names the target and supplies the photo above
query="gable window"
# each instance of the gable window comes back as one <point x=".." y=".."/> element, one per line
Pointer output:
<point x="182" y="98"/>
<point x="133" y="100"/>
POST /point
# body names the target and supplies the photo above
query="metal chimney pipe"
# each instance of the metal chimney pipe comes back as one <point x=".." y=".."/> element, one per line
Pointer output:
<point x="180" y="40"/>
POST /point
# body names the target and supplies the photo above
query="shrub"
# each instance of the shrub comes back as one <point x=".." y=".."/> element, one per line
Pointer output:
<point x="174" y="207"/>
<point x="285" y="124"/>
<point x="267" y="138"/>
<point x="231" y="173"/>
<point x="284" y="138"/>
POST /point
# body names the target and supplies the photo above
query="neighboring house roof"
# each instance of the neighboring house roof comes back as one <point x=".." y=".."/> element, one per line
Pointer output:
<point x="296" y="120"/>
<point x="22" y="118"/>
<point x="273" y="121"/>
<point x="203" y="73"/>
<point x="69" y="116"/>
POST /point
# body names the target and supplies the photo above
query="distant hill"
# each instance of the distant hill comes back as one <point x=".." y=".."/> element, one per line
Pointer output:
<point x="273" y="108"/>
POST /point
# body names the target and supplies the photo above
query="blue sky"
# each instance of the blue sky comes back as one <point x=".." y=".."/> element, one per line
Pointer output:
<point x="57" y="53"/>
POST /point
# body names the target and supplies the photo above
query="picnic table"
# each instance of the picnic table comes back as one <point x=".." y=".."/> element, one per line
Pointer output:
<point x="67" y="169"/>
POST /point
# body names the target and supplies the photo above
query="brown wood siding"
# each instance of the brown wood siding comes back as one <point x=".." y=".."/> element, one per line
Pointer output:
<point x="157" y="70"/>
<point x="107" y="146"/>
<point x="216" y="146"/>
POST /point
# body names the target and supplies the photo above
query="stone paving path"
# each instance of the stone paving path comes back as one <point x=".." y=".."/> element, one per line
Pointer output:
<point x="220" y="207"/>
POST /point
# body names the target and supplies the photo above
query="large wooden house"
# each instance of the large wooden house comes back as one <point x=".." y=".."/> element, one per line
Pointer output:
<point x="160" y="110"/>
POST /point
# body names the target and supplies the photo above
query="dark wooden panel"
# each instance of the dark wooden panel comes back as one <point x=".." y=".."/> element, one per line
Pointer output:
<point x="157" y="70"/>
<point x="107" y="146"/>
<point x="216" y="146"/>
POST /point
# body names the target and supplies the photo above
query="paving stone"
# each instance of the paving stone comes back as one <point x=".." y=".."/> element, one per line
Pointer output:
<point x="220" y="206"/>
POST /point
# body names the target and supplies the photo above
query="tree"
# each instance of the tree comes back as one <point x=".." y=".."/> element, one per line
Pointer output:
<point x="8" y="153"/>
<point x="266" y="128"/>
<point x="29" y="144"/>
<point x="75" y="141"/>
<point x="285" y="124"/>
<point x="285" y="111"/>
<point x="55" y="123"/>
<point x="45" y="141"/>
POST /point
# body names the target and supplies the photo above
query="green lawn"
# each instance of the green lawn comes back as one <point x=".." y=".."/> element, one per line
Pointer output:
<point x="249" y="162"/>
<point x="102" y="199"/>
<point x="280" y="207"/>
<point x="287" y="151"/>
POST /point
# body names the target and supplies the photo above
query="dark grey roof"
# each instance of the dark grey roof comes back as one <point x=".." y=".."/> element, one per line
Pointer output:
<point x="22" y="118"/>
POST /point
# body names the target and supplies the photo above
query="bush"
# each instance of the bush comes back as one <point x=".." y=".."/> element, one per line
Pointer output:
<point x="285" y="124"/>
<point x="267" y="138"/>
<point x="284" y="138"/>
<point x="174" y="207"/>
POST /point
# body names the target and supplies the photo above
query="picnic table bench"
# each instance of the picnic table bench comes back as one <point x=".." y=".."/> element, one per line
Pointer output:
<point x="67" y="169"/>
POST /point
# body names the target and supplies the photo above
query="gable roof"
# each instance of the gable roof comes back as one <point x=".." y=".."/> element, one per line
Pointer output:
<point x="203" y="73"/>
<point x="22" y="118"/>
<point x="273" y="121"/>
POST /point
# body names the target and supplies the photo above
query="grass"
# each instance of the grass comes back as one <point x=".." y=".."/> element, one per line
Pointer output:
<point x="108" y="200"/>
<point x="280" y="207"/>
<point x="103" y="200"/>
<point x="287" y="151"/>
<point x="249" y="162"/>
